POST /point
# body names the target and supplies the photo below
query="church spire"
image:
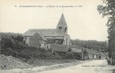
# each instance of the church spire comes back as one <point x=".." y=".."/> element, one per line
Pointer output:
<point x="62" y="25"/>
<point x="62" y="21"/>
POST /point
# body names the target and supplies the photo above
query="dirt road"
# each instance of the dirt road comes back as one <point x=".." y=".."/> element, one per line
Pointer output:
<point x="94" y="66"/>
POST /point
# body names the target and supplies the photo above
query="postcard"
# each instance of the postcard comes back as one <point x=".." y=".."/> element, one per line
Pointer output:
<point x="53" y="36"/>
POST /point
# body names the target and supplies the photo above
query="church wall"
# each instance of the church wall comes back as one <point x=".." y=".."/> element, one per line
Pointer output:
<point x="34" y="42"/>
<point x="66" y="40"/>
<point x="56" y="40"/>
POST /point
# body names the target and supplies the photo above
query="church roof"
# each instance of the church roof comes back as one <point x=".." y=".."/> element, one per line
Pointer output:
<point x="45" y="32"/>
<point x="39" y="36"/>
<point x="48" y="32"/>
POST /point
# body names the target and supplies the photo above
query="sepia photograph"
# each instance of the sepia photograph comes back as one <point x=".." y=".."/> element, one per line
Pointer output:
<point x="57" y="36"/>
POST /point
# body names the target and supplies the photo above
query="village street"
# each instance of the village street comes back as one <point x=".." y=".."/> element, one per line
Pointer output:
<point x="95" y="66"/>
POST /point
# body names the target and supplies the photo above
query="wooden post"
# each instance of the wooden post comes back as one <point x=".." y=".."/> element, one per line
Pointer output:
<point x="82" y="54"/>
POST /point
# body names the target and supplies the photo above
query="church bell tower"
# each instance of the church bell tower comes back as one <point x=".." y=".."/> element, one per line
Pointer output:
<point x="62" y="25"/>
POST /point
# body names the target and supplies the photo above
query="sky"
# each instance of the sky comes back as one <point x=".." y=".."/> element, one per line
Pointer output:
<point x="83" y="20"/>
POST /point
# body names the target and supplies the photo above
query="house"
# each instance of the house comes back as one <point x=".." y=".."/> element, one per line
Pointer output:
<point x="87" y="53"/>
<point x="59" y="35"/>
<point x="60" y="48"/>
<point x="103" y="55"/>
<point x="92" y="54"/>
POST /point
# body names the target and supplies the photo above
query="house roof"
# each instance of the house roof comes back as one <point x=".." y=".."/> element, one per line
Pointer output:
<point x="91" y="51"/>
<point x="76" y="48"/>
<point x="45" y="32"/>
<point x="103" y="54"/>
<point x="59" y="48"/>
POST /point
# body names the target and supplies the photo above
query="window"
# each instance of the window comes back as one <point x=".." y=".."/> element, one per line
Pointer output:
<point x="65" y="29"/>
<point x="60" y="27"/>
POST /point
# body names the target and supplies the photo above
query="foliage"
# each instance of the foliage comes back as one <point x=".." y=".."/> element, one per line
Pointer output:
<point x="108" y="10"/>
<point x="13" y="44"/>
<point x="68" y="55"/>
<point x="91" y="44"/>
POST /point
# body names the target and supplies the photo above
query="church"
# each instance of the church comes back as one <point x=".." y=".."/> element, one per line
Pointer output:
<point x="43" y="38"/>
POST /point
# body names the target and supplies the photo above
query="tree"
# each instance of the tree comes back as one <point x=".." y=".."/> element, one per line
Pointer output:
<point x="91" y="44"/>
<point x="108" y="10"/>
<point x="6" y="43"/>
